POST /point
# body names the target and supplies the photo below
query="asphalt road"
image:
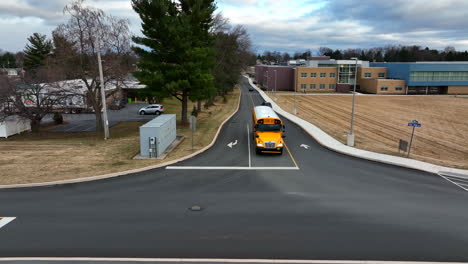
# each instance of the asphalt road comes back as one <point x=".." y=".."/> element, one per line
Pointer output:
<point x="333" y="207"/>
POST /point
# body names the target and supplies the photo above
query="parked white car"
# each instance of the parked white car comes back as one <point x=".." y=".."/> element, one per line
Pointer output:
<point x="154" y="109"/>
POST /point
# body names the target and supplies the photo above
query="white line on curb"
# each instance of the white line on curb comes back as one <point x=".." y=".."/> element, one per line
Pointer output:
<point x="227" y="168"/>
<point x="5" y="220"/>
<point x="208" y="260"/>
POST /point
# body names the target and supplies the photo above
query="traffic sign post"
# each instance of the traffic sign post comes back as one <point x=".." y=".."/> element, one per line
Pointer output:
<point x="403" y="146"/>
<point x="413" y="124"/>
<point x="193" y="126"/>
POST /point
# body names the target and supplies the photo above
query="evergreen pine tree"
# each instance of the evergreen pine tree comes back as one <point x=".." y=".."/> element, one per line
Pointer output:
<point x="36" y="51"/>
<point x="178" y="56"/>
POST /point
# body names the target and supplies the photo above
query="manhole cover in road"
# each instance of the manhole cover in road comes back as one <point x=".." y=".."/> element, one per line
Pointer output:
<point x="195" y="208"/>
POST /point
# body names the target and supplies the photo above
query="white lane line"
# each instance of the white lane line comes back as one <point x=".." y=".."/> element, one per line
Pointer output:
<point x="248" y="145"/>
<point x="228" y="168"/>
<point x="5" y="220"/>
<point x="178" y="260"/>
<point x="454" y="182"/>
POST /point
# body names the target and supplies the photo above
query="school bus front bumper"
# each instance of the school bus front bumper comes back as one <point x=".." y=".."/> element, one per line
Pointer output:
<point x="270" y="150"/>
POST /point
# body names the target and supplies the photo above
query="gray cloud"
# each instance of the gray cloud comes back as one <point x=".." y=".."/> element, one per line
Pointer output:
<point x="371" y="23"/>
<point x="337" y="23"/>
<point x="403" y="15"/>
<point x="46" y="10"/>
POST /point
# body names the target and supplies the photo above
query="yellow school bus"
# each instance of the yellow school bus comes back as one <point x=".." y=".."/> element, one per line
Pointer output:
<point x="268" y="130"/>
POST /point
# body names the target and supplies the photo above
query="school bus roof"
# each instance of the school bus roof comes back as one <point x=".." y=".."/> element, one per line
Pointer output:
<point x="264" y="112"/>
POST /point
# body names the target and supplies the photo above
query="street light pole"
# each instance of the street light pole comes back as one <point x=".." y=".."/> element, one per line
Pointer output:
<point x="350" y="139"/>
<point x="103" y="92"/>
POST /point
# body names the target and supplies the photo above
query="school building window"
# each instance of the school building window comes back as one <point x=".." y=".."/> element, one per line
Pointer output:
<point x="381" y="74"/>
<point x="384" y="88"/>
<point x="323" y="75"/>
<point x="313" y="75"/>
<point x="303" y="86"/>
<point x="322" y="86"/>
<point x="312" y="86"/>
<point x="439" y="76"/>
<point x="332" y="75"/>
<point x="399" y="88"/>
<point x="367" y="75"/>
<point x="303" y="74"/>
<point x="331" y="86"/>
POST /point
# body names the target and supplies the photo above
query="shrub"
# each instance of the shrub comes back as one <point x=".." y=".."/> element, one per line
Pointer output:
<point x="58" y="118"/>
<point x="194" y="111"/>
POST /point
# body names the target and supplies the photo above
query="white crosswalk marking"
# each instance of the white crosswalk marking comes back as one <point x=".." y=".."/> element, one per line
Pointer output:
<point x="462" y="183"/>
<point x="5" y="220"/>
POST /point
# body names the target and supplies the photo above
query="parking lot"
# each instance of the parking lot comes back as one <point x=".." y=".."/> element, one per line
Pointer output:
<point x="86" y="122"/>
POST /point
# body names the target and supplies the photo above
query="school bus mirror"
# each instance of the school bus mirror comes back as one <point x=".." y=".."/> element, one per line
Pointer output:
<point x="283" y="136"/>
<point x="257" y="136"/>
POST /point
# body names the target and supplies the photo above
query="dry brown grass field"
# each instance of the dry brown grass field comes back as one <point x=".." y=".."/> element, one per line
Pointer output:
<point x="381" y="121"/>
<point x="51" y="156"/>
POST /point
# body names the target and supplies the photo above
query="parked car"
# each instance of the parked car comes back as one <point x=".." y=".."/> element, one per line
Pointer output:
<point x="266" y="103"/>
<point x="154" y="109"/>
<point x="251" y="89"/>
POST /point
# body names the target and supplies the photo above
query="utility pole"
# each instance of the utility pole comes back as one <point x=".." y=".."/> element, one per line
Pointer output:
<point x="103" y="92"/>
<point x="350" y="139"/>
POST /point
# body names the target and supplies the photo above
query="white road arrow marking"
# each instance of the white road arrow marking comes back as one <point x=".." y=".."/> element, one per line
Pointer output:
<point x="305" y="146"/>
<point x="5" y="220"/>
<point x="232" y="144"/>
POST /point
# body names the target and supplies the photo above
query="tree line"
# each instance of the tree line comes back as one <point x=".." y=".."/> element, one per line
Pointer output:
<point x="189" y="53"/>
<point x="186" y="51"/>
<point x="10" y="60"/>
<point x="398" y="53"/>
<point x="71" y="54"/>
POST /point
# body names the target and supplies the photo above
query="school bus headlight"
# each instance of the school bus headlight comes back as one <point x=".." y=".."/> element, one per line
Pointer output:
<point x="259" y="145"/>
<point x="280" y="145"/>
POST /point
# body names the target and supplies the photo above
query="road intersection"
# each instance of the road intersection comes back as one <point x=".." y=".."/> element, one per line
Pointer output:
<point x="309" y="203"/>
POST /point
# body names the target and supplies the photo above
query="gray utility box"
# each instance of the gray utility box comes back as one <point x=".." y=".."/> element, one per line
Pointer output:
<point x="157" y="135"/>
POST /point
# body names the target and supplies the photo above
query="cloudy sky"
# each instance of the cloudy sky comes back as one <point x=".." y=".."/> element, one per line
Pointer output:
<point x="283" y="25"/>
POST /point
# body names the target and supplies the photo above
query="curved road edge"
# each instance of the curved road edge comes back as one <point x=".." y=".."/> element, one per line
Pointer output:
<point x="123" y="173"/>
<point x="208" y="260"/>
<point x="331" y="143"/>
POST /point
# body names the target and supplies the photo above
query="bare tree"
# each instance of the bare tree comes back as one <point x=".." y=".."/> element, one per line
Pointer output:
<point x="84" y="29"/>
<point x="32" y="97"/>
<point x="325" y="51"/>
<point x="233" y="49"/>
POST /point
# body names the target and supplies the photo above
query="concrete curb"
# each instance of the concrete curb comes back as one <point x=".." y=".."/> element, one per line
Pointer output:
<point x="122" y="173"/>
<point x="213" y="260"/>
<point x="329" y="142"/>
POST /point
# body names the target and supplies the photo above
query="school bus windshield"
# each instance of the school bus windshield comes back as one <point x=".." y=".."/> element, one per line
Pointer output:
<point x="268" y="128"/>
